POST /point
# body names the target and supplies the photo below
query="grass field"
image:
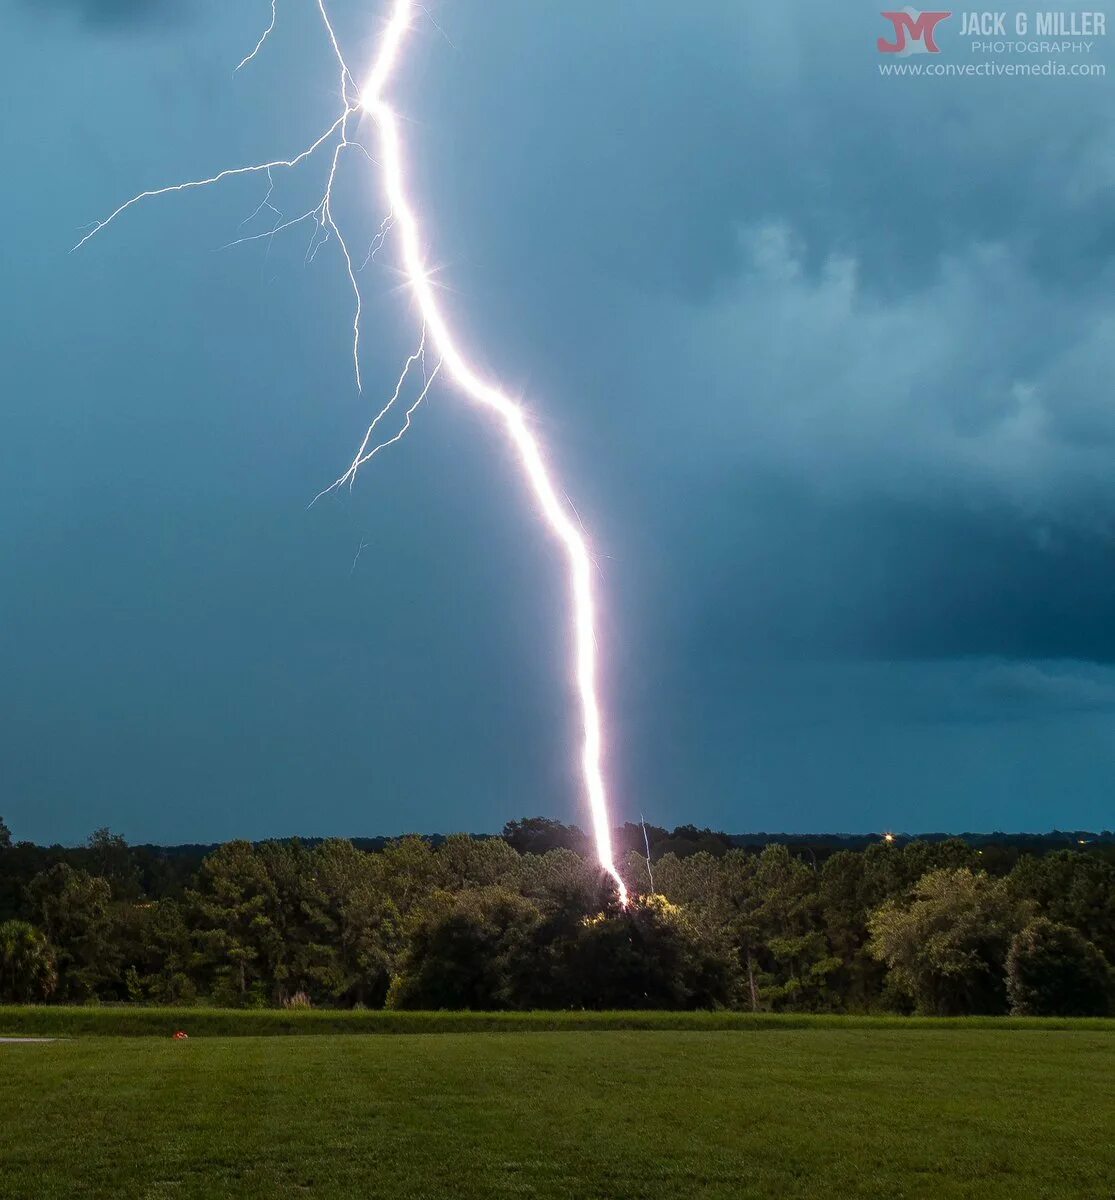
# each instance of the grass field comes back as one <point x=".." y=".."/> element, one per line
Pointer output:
<point x="851" y="1110"/>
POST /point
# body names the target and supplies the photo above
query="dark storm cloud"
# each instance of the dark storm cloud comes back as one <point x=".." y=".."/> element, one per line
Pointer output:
<point x="1030" y="687"/>
<point x="889" y="579"/>
<point x="867" y="330"/>
<point x="117" y="13"/>
<point x="926" y="475"/>
<point x="777" y="113"/>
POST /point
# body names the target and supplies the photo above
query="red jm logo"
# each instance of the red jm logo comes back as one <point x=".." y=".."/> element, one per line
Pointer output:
<point x="920" y="27"/>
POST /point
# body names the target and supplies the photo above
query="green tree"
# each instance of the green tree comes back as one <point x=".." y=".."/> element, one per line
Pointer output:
<point x="73" y="909"/>
<point x="464" y="862"/>
<point x="409" y="872"/>
<point x="255" y="904"/>
<point x="890" y="871"/>
<point x="767" y="905"/>
<point x="358" y="923"/>
<point x="1054" y="971"/>
<point x="109" y="857"/>
<point x="946" y="946"/>
<point x="692" y="881"/>
<point x="28" y="971"/>
<point x="232" y="909"/>
<point x="293" y="954"/>
<point x="739" y="911"/>
<point x="539" y="835"/>
<point x="1074" y="889"/>
<point x="560" y="881"/>
<point x="472" y="950"/>
<point x="5" y="836"/>
<point x="688" y="839"/>
<point x="159" y="950"/>
<point x="796" y="954"/>
<point x="719" y="896"/>
<point x="842" y="901"/>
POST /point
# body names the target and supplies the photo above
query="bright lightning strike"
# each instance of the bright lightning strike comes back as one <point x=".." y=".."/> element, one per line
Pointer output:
<point x="369" y="99"/>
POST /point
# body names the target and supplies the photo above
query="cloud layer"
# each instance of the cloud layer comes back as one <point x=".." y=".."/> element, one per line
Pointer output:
<point x="824" y="360"/>
<point x="116" y="13"/>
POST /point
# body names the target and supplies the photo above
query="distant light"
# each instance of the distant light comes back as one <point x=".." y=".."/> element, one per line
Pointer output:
<point x="888" y="837"/>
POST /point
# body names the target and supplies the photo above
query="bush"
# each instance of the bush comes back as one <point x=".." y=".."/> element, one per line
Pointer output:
<point x="491" y="949"/>
<point x="648" y="955"/>
<point x="27" y="965"/>
<point x="470" y="950"/>
<point x="1054" y="971"/>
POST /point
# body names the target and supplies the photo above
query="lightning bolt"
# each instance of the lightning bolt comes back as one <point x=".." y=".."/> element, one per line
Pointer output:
<point x="368" y="99"/>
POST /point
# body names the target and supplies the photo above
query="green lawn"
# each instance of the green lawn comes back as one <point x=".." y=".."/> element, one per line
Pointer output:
<point x="827" y="1112"/>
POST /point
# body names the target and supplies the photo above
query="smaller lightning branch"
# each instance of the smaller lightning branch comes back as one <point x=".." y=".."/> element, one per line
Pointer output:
<point x="366" y="101"/>
<point x="646" y="843"/>
<point x="365" y="458"/>
<point x="327" y="203"/>
<point x="263" y="37"/>
<point x="364" y="455"/>
<point x="229" y="173"/>
<point x="264" y="203"/>
<point x="356" y="558"/>
<point x="377" y="242"/>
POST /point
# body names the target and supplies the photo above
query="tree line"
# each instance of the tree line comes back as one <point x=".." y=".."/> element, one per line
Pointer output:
<point x="527" y="920"/>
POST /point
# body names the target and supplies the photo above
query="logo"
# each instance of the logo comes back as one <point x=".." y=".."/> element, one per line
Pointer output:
<point x="920" y="26"/>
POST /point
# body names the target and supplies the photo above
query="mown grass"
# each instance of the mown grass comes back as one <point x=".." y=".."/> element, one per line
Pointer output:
<point x="855" y="1111"/>
<point x="136" y="1021"/>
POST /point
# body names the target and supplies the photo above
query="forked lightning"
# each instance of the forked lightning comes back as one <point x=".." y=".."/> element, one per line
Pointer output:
<point x="368" y="99"/>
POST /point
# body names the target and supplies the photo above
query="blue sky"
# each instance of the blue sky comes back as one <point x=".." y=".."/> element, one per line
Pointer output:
<point x="823" y="358"/>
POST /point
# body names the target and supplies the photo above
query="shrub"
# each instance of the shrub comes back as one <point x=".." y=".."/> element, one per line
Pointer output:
<point x="1054" y="971"/>
<point x="648" y="955"/>
<point x="468" y="950"/>
<point x="27" y="965"/>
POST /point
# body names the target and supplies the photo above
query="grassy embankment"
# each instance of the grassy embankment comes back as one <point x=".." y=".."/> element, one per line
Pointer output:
<point x="136" y="1021"/>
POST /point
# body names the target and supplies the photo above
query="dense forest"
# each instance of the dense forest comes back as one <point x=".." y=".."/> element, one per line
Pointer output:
<point x="947" y="926"/>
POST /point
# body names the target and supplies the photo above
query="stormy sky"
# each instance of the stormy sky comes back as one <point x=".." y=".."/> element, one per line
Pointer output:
<point x="824" y="359"/>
